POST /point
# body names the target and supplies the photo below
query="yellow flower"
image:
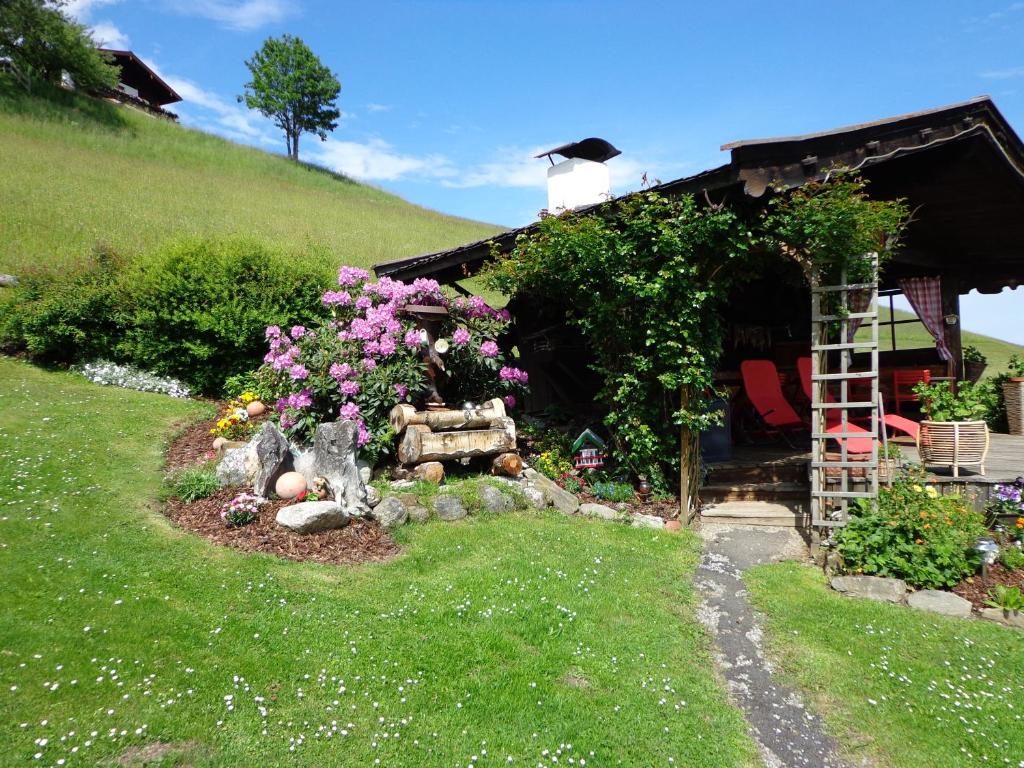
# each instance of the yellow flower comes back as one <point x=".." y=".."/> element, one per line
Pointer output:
<point x="932" y="493"/>
<point x="916" y="488"/>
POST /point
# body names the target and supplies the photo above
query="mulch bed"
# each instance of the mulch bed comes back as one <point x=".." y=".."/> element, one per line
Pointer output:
<point x="360" y="541"/>
<point x="976" y="588"/>
<point x="668" y="509"/>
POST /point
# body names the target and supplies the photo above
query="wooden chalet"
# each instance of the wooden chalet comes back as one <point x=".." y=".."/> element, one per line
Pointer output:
<point x="960" y="169"/>
<point x="139" y="86"/>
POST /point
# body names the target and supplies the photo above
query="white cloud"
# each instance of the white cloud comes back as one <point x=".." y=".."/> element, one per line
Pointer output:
<point x="1004" y="74"/>
<point x="245" y="15"/>
<point x="378" y="107"/>
<point x="517" y="167"/>
<point x="376" y="160"/>
<point x="107" y="35"/>
<point x="80" y="9"/>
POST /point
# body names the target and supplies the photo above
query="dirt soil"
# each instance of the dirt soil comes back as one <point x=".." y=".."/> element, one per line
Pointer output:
<point x="976" y="588"/>
<point x="360" y="541"/>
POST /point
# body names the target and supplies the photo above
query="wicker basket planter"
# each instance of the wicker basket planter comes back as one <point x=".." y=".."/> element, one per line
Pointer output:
<point x="1013" y="396"/>
<point x="953" y="444"/>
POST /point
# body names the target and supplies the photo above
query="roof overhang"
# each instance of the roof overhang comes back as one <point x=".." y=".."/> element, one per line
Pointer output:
<point x="129" y="59"/>
<point x="960" y="168"/>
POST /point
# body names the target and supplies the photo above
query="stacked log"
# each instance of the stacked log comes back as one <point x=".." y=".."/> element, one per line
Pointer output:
<point x="447" y="435"/>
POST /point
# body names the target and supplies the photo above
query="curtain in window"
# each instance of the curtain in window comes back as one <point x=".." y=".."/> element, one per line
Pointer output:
<point x="925" y="296"/>
<point x="859" y="302"/>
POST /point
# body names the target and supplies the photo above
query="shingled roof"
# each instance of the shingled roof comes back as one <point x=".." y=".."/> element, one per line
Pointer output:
<point x="960" y="166"/>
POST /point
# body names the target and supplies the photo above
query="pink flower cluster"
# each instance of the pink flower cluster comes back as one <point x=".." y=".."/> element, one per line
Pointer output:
<point x="514" y="375"/>
<point x="368" y="321"/>
<point x="475" y="306"/>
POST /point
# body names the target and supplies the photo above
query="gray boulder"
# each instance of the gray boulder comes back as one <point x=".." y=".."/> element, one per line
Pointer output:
<point x="334" y="458"/>
<point x="273" y="458"/>
<point x="535" y="497"/>
<point x="390" y="513"/>
<point x="648" y="521"/>
<point x="937" y="601"/>
<point x="871" y="588"/>
<point x="1008" y="618"/>
<point x="561" y="499"/>
<point x="493" y="500"/>
<point x="236" y="468"/>
<point x="601" y="511"/>
<point x="312" y="516"/>
<point x="449" y="507"/>
<point x="365" y="471"/>
<point x="419" y="514"/>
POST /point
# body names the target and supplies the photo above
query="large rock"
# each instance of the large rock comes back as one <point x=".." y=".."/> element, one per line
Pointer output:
<point x="334" y="458"/>
<point x="494" y="500"/>
<point x="648" y="521"/>
<point x="312" y="516"/>
<point x="601" y="511"/>
<point x="449" y="507"/>
<point x="418" y="514"/>
<point x="937" y="601"/>
<point x="390" y="513"/>
<point x="1008" y="618"/>
<point x="871" y="587"/>
<point x="560" y="498"/>
<point x="535" y="497"/>
<point x="236" y="468"/>
<point x="365" y="471"/>
<point x="273" y="458"/>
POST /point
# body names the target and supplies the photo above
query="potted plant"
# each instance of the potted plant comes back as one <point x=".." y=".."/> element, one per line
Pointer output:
<point x="974" y="364"/>
<point x="954" y="432"/>
<point x="1013" y="395"/>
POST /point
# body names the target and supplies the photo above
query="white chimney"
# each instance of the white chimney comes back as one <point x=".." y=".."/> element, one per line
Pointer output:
<point x="582" y="178"/>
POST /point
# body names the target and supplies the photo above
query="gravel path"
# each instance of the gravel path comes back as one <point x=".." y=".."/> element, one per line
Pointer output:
<point x="787" y="734"/>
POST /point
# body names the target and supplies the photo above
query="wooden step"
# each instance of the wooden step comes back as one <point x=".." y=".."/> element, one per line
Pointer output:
<point x="769" y="472"/>
<point x="771" y="492"/>
<point x="757" y="513"/>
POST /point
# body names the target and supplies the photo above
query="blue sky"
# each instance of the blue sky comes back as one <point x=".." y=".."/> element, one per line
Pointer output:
<point x="446" y="102"/>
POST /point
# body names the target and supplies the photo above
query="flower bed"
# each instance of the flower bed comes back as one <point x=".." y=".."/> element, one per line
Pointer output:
<point x="358" y="542"/>
<point x="977" y="589"/>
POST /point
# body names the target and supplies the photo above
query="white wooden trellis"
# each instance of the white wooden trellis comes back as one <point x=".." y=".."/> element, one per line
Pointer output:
<point x="834" y="481"/>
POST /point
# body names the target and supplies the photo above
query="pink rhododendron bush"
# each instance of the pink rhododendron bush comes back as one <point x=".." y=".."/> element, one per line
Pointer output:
<point x="369" y="355"/>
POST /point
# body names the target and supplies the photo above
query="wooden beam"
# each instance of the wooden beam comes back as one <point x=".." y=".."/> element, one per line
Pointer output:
<point x="951" y="333"/>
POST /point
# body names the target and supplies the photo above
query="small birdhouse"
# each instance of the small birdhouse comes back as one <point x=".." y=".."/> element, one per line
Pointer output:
<point x="588" y="451"/>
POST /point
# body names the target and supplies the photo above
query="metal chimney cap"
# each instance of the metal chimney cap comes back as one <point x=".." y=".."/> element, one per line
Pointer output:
<point x="595" y="149"/>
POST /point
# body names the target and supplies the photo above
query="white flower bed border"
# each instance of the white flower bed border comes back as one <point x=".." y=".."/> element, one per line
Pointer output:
<point x="130" y="377"/>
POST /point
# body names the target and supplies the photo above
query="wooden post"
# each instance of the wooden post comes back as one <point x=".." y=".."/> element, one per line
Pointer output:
<point x="685" y="460"/>
<point x="951" y="333"/>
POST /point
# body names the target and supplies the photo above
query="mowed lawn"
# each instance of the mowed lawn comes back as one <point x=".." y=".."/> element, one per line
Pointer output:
<point x="916" y="336"/>
<point x="901" y="687"/>
<point x="508" y="640"/>
<point x="79" y="171"/>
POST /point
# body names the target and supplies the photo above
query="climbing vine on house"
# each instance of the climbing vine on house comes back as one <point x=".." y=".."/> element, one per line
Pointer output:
<point x="644" y="278"/>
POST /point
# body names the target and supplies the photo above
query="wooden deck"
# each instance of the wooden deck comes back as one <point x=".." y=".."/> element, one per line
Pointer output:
<point x="770" y="464"/>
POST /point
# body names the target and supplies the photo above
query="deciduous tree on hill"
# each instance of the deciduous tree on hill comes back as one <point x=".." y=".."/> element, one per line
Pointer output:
<point x="39" y="42"/>
<point x="291" y="86"/>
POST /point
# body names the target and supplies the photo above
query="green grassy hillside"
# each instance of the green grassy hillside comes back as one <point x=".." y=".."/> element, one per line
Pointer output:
<point x="916" y="336"/>
<point x="77" y="171"/>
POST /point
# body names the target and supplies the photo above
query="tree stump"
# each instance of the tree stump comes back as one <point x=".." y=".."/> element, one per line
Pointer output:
<point x="507" y="465"/>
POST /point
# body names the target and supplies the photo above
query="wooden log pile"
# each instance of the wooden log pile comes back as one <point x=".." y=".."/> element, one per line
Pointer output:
<point x="448" y="435"/>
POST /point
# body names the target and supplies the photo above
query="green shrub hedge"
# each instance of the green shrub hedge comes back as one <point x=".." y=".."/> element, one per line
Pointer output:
<point x="195" y="309"/>
<point x="68" y="317"/>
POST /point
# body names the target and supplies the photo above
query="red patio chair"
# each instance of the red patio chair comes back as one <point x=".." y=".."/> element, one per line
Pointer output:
<point x="761" y="383"/>
<point x="833" y="417"/>
<point x="903" y="383"/>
